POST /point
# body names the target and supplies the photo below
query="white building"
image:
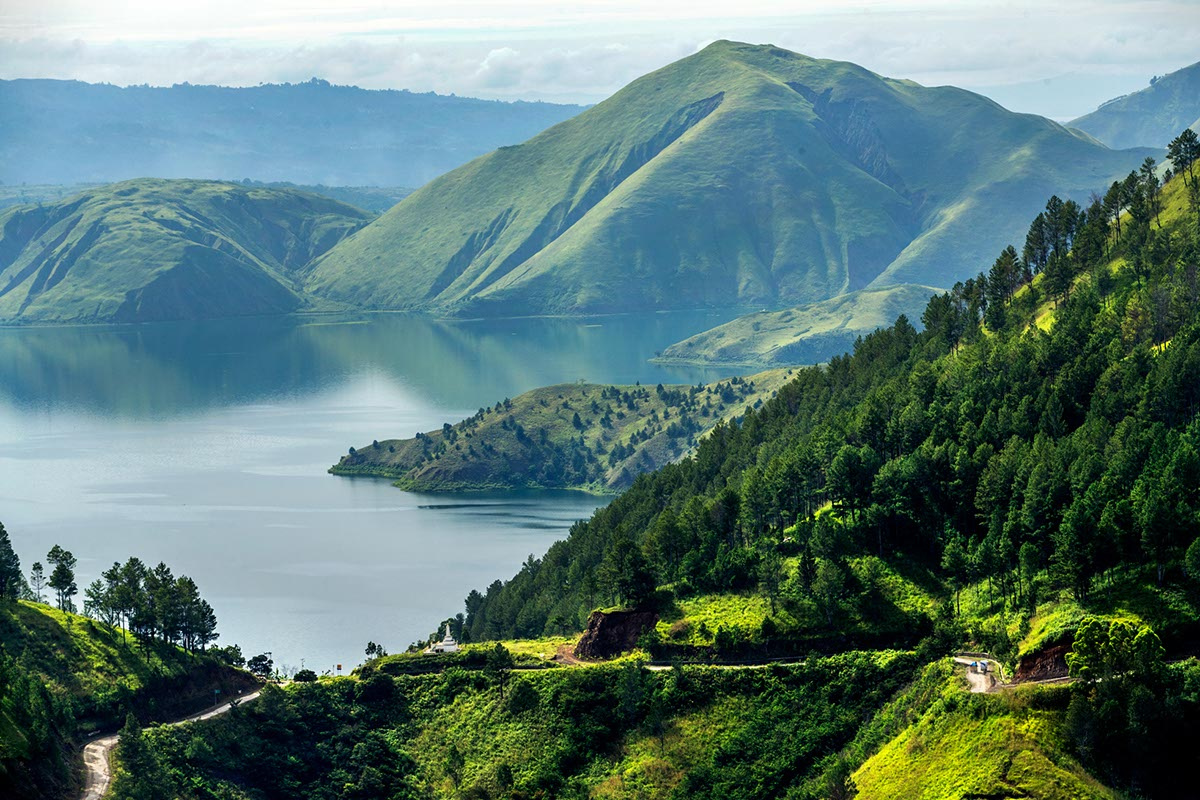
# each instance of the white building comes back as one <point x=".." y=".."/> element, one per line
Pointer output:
<point x="446" y="645"/>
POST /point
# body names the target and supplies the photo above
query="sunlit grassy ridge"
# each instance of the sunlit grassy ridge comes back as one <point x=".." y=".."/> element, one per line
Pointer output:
<point x="997" y="746"/>
<point x="164" y="249"/>
<point x="572" y="435"/>
<point x="742" y="174"/>
<point x="1151" y="117"/>
<point x="803" y="335"/>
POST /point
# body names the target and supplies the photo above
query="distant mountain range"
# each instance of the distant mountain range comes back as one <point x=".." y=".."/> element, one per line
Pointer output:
<point x="1150" y="118"/>
<point x="66" y="132"/>
<point x="157" y="250"/>
<point x="742" y="175"/>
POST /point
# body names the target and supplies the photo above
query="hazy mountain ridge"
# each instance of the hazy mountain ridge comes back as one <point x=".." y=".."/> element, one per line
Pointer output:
<point x="742" y="174"/>
<point x="156" y="249"/>
<point x="63" y="132"/>
<point x="1151" y="117"/>
<point x="802" y="335"/>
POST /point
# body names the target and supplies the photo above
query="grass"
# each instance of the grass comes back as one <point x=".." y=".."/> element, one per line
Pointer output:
<point x="533" y="440"/>
<point x="165" y="249"/>
<point x="741" y="175"/>
<point x="809" y="334"/>
<point x="85" y="658"/>
<point x="1007" y="745"/>
<point x="1153" y="116"/>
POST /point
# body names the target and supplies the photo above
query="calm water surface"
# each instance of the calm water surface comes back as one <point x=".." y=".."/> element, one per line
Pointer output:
<point x="205" y="445"/>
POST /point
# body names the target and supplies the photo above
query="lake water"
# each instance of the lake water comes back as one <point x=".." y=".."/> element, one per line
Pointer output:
<point x="205" y="445"/>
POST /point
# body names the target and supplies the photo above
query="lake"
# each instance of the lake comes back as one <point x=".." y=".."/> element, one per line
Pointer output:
<point x="205" y="445"/>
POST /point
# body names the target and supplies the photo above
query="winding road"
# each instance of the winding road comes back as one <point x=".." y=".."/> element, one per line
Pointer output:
<point x="96" y="753"/>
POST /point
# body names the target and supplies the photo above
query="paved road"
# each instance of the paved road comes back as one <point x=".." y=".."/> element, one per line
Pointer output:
<point x="96" y="753"/>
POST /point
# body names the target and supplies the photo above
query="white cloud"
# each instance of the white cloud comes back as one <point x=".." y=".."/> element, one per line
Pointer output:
<point x="583" y="51"/>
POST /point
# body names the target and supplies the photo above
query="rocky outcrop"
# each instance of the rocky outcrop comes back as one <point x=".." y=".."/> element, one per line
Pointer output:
<point x="1044" y="664"/>
<point x="611" y="633"/>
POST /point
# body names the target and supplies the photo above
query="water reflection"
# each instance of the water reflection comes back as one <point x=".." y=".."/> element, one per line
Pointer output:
<point x="171" y="369"/>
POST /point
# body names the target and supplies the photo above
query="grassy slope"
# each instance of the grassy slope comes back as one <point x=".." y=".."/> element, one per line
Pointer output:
<point x="98" y="668"/>
<point x="72" y="676"/>
<point x="1151" y="117"/>
<point x="997" y="746"/>
<point x="740" y="174"/>
<point x="808" y="334"/>
<point x="156" y="249"/>
<point x="485" y="451"/>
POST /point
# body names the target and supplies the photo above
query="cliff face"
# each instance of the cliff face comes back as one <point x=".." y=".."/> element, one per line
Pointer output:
<point x="611" y="633"/>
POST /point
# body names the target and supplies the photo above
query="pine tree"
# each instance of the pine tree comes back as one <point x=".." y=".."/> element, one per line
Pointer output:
<point x="10" y="568"/>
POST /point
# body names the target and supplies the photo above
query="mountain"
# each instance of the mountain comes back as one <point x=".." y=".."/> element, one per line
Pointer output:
<point x="803" y="335"/>
<point x="742" y="175"/>
<point x="157" y="249"/>
<point x="1151" y="117"/>
<point x="309" y="133"/>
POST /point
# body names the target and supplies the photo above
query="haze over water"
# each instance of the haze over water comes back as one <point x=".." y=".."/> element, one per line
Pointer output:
<point x="205" y="445"/>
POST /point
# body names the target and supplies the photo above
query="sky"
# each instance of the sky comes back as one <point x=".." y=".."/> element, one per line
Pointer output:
<point x="1058" y="59"/>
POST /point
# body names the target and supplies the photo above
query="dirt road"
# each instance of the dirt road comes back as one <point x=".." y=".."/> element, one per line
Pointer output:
<point x="980" y="682"/>
<point x="96" y="752"/>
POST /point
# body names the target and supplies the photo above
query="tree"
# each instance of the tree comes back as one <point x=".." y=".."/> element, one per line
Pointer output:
<point x="954" y="562"/>
<point x="828" y="587"/>
<point x="1191" y="561"/>
<point x="375" y="650"/>
<point x="499" y="663"/>
<point x="305" y="676"/>
<point x="37" y="580"/>
<point x="10" y="568"/>
<point x="62" y="579"/>
<point x="261" y="666"/>
<point x="1183" y="151"/>
<point x="141" y="775"/>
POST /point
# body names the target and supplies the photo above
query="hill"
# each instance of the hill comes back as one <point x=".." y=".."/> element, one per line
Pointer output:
<point x="65" y="676"/>
<point x="308" y="133"/>
<point x="1151" y="117"/>
<point x="804" y="335"/>
<point x="156" y="250"/>
<point x="572" y="435"/>
<point x="742" y="175"/>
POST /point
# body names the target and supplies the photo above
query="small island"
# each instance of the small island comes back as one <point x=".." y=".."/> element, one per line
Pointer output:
<point x="567" y="436"/>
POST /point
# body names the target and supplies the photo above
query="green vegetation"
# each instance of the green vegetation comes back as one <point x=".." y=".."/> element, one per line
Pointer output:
<point x="804" y="335"/>
<point x="64" y="676"/>
<point x="1004" y="746"/>
<point x="154" y="249"/>
<point x="742" y="175"/>
<point x="615" y="731"/>
<point x="573" y="435"/>
<point x="1151" y="117"/>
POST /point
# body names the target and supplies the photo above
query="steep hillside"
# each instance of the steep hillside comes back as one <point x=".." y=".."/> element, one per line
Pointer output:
<point x="572" y="435"/>
<point x="1149" y="118"/>
<point x="155" y="250"/>
<point x="64" y="676"/>
<point x="804" y="335"/>
<point x="306" y="133"/>
<point x="740" y="175"/>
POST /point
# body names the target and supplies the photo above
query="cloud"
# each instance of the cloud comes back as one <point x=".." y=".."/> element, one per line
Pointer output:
<point x="584" y="52"/>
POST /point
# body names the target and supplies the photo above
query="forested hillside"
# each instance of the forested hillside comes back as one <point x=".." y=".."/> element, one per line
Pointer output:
<point x="1045" y="420"/>
<point x="142" y="646"/>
